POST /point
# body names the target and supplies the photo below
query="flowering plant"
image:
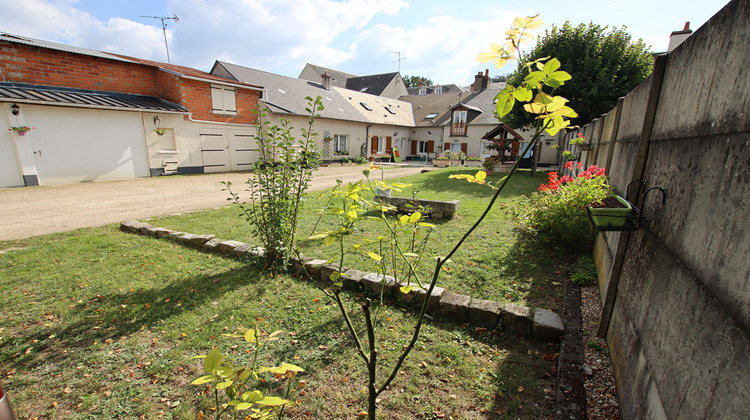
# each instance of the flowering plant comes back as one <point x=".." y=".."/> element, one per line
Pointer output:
<point x="473" y="158"/>
<point x="442" y="158"/>
<point x="558" y="208"/>
<point x="22" y="129"/>
<point x="160" y="131"/>
<point x="490" y="163"/>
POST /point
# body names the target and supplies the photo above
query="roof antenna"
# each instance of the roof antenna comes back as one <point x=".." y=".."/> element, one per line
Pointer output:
<point x="164" y="28"/>
<point x="399" y="59"/>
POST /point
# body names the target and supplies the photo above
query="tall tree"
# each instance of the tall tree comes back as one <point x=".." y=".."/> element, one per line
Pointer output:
<point x="413" y="81"/>
<point x="607" y="63"/>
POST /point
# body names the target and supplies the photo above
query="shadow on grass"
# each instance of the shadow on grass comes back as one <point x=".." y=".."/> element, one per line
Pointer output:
<point x="116" y="316"/>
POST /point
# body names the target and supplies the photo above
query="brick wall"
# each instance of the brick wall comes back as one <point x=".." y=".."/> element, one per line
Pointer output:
<point x="21" y="63"/>
<point x="47" y="67"/>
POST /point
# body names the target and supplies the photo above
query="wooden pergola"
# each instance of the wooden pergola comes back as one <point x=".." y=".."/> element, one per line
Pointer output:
<point x="506" y="140"/>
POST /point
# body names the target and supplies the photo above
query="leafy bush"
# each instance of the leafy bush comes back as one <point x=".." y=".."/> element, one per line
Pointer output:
<point x="558" y="209"/>
<point x="359" y="160"/>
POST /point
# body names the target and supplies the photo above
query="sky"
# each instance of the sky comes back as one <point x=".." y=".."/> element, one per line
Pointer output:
<point x="437" y="39"/>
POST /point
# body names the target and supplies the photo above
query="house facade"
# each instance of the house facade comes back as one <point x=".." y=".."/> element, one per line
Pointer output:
<point x="98" y="116"/>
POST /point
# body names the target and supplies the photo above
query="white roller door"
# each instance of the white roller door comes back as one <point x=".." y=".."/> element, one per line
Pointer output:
<point x="10" y="175"/>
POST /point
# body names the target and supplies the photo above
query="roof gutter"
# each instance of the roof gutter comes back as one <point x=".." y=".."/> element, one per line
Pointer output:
<point x="190" y="118"/>
<point x="216" y="82"/>
<point x="88" y="106"/>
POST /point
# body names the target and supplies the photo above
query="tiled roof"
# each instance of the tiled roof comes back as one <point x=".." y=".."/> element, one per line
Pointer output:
<point x="374" y="84"/>
<point x="338" y="78"/>
<point x="381" y="110"/>
<point x="431" y="89"/>
<point x="484" y="100"/>
<point x="189" y="72"/>
<point x="24" y="93"/>
<point x="424" y="105"/>
<point x="286" y="95"/>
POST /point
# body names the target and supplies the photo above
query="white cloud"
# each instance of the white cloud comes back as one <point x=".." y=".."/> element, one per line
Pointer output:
<point x="59" y="20"/>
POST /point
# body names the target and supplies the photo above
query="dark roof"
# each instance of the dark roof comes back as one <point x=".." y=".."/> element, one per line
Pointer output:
<point x="24" y="93"/>
<point x="502" y="127"/>
<point x="431" y="89"/>
<point x="374" y="84"/>
<point x="424" y="105"/>
<point x="4" y="36"/>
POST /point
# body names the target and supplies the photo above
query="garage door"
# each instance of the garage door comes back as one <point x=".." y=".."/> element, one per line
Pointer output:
<point x="225" y="150"/>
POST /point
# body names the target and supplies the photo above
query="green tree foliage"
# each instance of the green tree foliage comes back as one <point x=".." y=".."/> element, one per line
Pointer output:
<point x="607" y="63"/>
<point x="413" y="81"/>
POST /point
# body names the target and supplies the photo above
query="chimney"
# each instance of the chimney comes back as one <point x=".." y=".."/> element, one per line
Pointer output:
<point x="421" y="83"/>
<point x="481" y="81"/>
<point x="326" y="78"/>
<point x="678" y="37"/>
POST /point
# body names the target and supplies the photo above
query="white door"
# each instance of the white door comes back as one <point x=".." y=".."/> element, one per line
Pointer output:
<point x="243" y="151"/>
<point x="215" y="151"/>
<point x="10" y="175"/>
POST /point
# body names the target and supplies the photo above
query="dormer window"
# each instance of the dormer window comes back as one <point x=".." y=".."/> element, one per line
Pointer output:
<point x="422" y="91"/>
<point x="439" y="89"/>
<point x="458" y="126"/>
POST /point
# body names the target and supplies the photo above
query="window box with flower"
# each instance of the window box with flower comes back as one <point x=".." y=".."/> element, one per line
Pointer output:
<point x="473" y="161"/>
<point x="21" y="130"/>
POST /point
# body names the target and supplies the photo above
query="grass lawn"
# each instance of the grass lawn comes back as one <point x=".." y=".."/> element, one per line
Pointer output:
<point x="97" y="323"/>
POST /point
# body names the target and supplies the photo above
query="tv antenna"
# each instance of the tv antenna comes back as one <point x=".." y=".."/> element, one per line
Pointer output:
<point x="164" y="28"/>
<point x="399" y="59"/>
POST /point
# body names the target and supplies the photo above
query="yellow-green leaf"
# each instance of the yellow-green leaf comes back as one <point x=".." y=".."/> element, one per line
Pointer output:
<point x="329" y="240"/>
<point x="252" y="396"/>
<point x="500" y="62"/>
<point x="204" y="379"/>
<point x="486" y="57"/>
<point x="403" y="219"/>
<point x="480" y="176"/>
<point x="212" y="360"/>
<point x="318" y="236"/>
<point x="414" y="218"/>
<point x="273" y="401"/>
<point x="250" y="335"/>
<point x="405" y="289"/>
<point x="374" y="256"/>
<point x="224" y="385"/>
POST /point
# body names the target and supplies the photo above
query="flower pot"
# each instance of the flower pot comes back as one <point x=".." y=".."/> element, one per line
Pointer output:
<point x="489" y="172"/>
<point x="612" y="218"/>
<point x="21" y="133"/>
<point x="441" y="163"/>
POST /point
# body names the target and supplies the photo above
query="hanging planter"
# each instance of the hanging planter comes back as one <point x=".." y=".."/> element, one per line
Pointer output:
<point x="21" y="130"/>
<point x="613" y="214"/>
<point x="160" y="131"/>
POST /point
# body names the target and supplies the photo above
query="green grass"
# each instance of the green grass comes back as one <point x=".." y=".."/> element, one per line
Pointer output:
<point x="493" y="264"/>
<point x="97" y="323"/>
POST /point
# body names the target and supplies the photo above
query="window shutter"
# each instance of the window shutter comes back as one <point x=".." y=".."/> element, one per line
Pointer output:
<point x="217" y="100"/>
<point x="374" y="145"/>
<point x="388" y="145"/>
<point x="414" y="144"/>
<point x="464" y="147"/>
<point x="229" y="101"/>
<point x="431" y="146"/>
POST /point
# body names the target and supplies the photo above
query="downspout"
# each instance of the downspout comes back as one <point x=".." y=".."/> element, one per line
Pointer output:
<point x="367" y="139"/>
<point x="639" y="170"/>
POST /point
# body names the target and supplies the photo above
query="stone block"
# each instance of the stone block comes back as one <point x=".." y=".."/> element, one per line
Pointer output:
<point x="547" y="324"/>
<point x="258" y="251"/>
<point x="313" y="268"/>
<point x="375" y="282"/>
<point x="163" y="233"/>
<point x="325" y="272"/>
<point x="228" y="246"/>
<point x="144" y="229"/>
<point x="516" y="318"/>
<point x="199" y="240"/>
<point x="453" y="305"/>
<point x="417" y="295"/>
<point x="212" y="244"/>
<point x="131" y="226"/>
<point x="353" y="275"/>
<point x="242" y="250"/>
<point x="298" y="264"/>
<point x="151" y="230"/>
<point x="485" y="312"/>
<point x="175" y="235"/>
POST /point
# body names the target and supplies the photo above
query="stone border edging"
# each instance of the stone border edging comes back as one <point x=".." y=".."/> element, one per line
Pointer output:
<point x="489" y="314"/>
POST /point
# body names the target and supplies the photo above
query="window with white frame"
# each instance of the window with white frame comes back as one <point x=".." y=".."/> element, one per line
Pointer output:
<point x="439" y="90"/>
<point x="339" y="144"/>
<point x="422" y="91"/>
<point x="422" y="147"/>
<point x="222" y="100"/>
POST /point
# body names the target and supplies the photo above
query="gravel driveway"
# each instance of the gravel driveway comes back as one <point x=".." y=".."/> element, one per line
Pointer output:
<point x="32" y="211"/>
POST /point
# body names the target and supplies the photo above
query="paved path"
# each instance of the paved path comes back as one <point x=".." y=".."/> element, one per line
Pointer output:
<point x="32" y="211"/>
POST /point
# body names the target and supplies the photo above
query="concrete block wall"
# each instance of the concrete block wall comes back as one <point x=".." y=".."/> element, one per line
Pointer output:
<point x="678" y="289"/>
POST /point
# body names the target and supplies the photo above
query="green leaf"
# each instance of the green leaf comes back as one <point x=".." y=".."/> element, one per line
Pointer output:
<point x="243" y="406"/>
<point x="224" y="385"/>
<point x="522" y="94"/>
<point x="374" y="256"/>
<point x="429" y="225"/>
<point x="252" y="396"/>
<point x="212" y="360"/>
<point x="330" y="240"/>
<point x="319" y="236"/>
<point x="250" y="335"/>
<point x="405" y="289"/>
<point x="551" y="66"/>
<point x="404" y="220"/>
<point x="204" y="379"/>
<point x="335" y="276"/>
<point x="486" y="57"/>
<point x="273" y="401"/>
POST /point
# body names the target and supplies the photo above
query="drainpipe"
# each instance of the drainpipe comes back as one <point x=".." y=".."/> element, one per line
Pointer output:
<point x="367" y="139"/>
<point x="639" y="171"/>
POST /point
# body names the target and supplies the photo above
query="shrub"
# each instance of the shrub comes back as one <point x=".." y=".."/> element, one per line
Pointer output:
<point x="558" y="209"/>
